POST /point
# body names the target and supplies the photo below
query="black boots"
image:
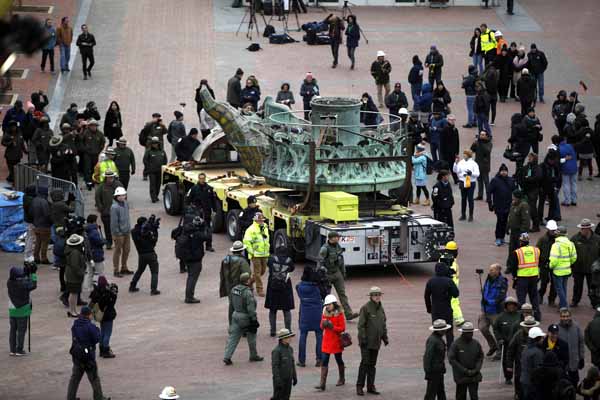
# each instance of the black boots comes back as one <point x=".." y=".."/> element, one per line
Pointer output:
<point x="342" y="375"/>
<point x="106" y="352"/>
<point x="323" y="381"/>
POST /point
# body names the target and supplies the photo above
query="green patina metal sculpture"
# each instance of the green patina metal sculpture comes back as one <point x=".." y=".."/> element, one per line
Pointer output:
<point x="331" y="152"/>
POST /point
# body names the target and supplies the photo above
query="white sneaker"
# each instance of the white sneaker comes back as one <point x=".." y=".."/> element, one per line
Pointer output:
<point x="12" y="354"/>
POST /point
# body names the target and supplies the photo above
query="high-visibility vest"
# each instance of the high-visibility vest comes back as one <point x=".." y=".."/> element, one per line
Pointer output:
<point x="488" y="41"/>
<point x="529" y="261"/>
<point x="101" y="168"/>
<point x="256" y="240"/>
<point x="562" y="255"/>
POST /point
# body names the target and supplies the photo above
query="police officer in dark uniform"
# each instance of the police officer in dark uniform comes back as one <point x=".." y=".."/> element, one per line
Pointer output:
<point x="442" y="198"/>
<point x="247" y="216"/>
<point x="332" y="258"/>
<point x="203" y="197"/>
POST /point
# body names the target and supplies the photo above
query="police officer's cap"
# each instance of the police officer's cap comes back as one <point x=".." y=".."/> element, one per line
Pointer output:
<point x="251" y="199"/>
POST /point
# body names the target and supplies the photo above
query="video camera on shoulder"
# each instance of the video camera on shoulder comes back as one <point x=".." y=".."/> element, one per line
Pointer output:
<point x="152" y="224"/>
<point x="448" y="259"/>
<point x="74" y="225"/>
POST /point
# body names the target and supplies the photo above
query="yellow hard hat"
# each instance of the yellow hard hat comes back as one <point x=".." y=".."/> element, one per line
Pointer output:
<point x="451" y="245"/>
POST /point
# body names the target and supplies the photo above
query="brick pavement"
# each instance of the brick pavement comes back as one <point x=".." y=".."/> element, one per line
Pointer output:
<point x="151" y="56"/>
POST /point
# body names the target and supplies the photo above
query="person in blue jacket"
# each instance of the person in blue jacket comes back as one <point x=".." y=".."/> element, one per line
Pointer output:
<point x="436" y="126"/>
<point x="424" y="101"/>
<point x="250" y="94"/>
<point x="568" y="168"/>
<point x="492" y="303"/>
<point x="352" y="38"/>
<point x="85" y="336"/>
<point x="419" y="161"/>
<point x="499" y="200"/>
<point x="415" y="78"/>
<point x="48" y="49"/>
<point x="97" y="243"/>
<point x="311" y="307"/>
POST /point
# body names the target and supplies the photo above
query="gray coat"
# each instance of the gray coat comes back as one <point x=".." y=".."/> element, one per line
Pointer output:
<point x="119" y="219"/>
<point x="574" y="337"/>
<point x="234" y="91"/>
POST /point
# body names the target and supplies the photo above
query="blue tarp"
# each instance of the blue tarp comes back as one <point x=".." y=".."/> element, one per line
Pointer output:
<point x="11" y="211"/>
<point x="8" y="238"/>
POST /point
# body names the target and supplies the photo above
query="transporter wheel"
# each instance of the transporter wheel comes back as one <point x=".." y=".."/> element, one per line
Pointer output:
<point x="172" y="199"/>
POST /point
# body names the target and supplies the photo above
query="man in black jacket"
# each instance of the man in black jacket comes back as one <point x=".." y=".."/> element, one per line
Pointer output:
<point x="537" y="65"/>
<point x="433" y="361"/>
<point x="247" y="215"/>
<point x="394" y="102"/>
<point x="86" y="42"/>
<point x="434" y="61"/>
<point x="439" y="291"/>
<point x="203" y="197"/>
<point x="553" y="343"/>
<point x="529" y="179"/>
<point x="336" y="26"/>
<point x="526" y="91"/>
<point x="442" y="199"/>
<point x="190" y="243"/>
<point x="145" y="236"/>
<point x="234" y="89"/>
<point x="184" y="149"/>
<point x="468" y="84"/>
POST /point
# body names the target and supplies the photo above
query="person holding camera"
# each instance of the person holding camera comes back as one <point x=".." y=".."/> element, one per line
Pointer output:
<point x="244" y="320"/>
<point x="372" y="331"/>
<point x="189" y="248"/>
<point x="145" y="236"/>
<point x="104" y="297"/>
<point x="203" y="197"/>
<point x="21" y="282"/>
<point x="85" y="336"/>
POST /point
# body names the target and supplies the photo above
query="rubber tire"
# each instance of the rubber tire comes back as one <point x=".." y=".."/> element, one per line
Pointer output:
<point x="280" y="237"/>
<point x="233" y="217"/>
<point x="218" y="220"/>
<point x="172" y="199"/>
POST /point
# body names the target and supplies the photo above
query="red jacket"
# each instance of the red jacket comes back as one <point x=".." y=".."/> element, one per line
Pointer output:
<point x="332" y="343"/>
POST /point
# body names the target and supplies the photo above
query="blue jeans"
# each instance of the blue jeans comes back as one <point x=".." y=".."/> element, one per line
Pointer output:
<point x="470" y="113"/>
<point x="415" y="91"/>
<point x="478" y="62"/>
<point x="105" y="333"/>
<point x="569" y="187"/>
<point x="65" y="56"/>
<point x="540" y="83"/>
<point x="483" y="123"/>
<point x="560" y="284"/>
<point x="302" y="346"/>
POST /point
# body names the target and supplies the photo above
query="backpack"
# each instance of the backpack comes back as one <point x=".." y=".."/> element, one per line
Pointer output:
<point x="281" y="39"/>
<point x="323" y="38"/>
<point x="143" y="136"/>
<point x="429" y="166"/>
<point x="81" y="353"/>
<point x="278" y="276"/>
<point x="254" y="47"/>
<point x="269" y="30"/>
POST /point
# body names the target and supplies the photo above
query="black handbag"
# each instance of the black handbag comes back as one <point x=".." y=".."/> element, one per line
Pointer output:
<point x="346" y="339"/>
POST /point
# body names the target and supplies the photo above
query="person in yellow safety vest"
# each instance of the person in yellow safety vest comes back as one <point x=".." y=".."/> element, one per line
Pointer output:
<point x="562" y="255"/>
<point x="256" y="240"/>
<point x="488" y="44"/>
<point x="524" y="265"/>
<point x="104" y="165"/>
<point x="457" y="315"/>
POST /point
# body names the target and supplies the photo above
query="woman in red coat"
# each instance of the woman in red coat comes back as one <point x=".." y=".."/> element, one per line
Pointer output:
<point x="333" y="324"/>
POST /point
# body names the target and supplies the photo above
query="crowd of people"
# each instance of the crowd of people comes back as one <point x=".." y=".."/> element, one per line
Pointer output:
<point x="540" y="365"/>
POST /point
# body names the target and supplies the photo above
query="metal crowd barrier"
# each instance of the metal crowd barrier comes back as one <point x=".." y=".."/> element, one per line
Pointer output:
<point x="26" y="175"/>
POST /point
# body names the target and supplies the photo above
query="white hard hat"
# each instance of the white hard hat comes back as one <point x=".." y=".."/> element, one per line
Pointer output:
<point x="536" y="332"/>
<point x="380" y="53"/>
<point x="498" y="33"/>
<point x="120" y="191"/>
<point x="403" y="111"/>
<point x="168" y="393"/>
<point x="551" y="225"/>
<point x="330" y="299"/>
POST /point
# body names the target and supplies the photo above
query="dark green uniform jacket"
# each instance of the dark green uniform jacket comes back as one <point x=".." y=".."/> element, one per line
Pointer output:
<point x="332" y="257"/>
<point x="232" y="267"/>
<point x="466" y="358"/>
<point x="284" y="371"/>
<point x="545" y="244"/>
<point x="506" y="325"/>
<point x="592" y="338"/>
<point x="435" y="354"/>
<point x="518" y="218"/>
<point x="372" y="327"/>
<point x="588" y="251"/>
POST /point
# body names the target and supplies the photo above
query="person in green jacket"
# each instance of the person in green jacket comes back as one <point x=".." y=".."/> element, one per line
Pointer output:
<point x="466" y="358"/>
<point x="545" y="244"/>
<point x="434" y="360"/>
<point x="518" y="219"/>
<point x="587" y="244"/>
<point x="332" y="258"/>
<point x="21" y="282"/>
<point x="232" y="268"/>
<point x="562" y="256"/>
<point x="154" y="158"/>
<point x="75" y="261"/>
<point x="505" y="327"/>
<point x="283" y="366"/>
<point x="372" y="330"/>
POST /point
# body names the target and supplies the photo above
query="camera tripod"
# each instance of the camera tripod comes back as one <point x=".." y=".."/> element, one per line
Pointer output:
<point x="346" y="12"/>
<point x="293" y="6"/>
<point x="252" y="23"/>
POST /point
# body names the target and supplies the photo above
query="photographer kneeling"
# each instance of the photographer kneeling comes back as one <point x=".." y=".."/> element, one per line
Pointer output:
<point x="21" y="281"/>
<point x="145" y="236"/>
